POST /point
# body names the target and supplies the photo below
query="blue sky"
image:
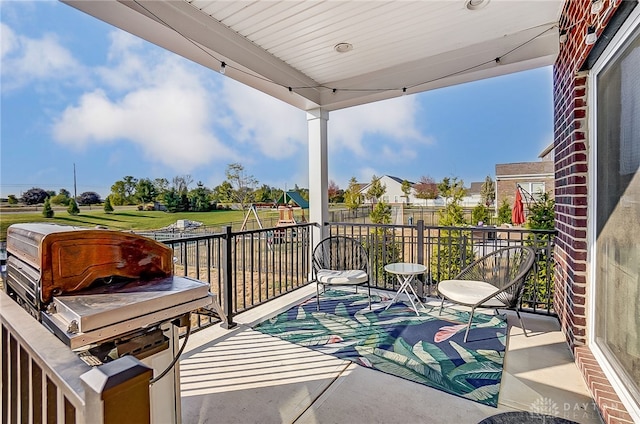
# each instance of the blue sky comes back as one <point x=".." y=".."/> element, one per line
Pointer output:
<point x="78" y="91"/>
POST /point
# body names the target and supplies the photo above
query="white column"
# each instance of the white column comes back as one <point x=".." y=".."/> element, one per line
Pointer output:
<point x="318" y="171"/>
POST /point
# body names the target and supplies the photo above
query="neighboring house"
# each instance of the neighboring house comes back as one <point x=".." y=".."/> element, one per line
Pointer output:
<point x="533" y="177"/>
<point x="394" y="194"/>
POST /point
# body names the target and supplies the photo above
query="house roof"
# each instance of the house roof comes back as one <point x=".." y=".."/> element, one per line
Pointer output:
<point x="475" y="188"/>
<point x="337" y="54"/>
<point x="293" y="197"/>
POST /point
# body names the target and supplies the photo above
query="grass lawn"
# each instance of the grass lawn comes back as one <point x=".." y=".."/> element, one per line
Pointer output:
<point x="125" y="218"/>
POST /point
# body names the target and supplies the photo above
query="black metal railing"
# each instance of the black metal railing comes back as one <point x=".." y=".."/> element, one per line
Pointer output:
<point x="245" y="268"/>
<point x="249" y="268"/>
<point x="446" y="250"/>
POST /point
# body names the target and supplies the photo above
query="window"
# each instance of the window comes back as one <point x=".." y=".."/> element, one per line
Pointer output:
<point x="615" y="227"/>
<point x="536" y="189"/>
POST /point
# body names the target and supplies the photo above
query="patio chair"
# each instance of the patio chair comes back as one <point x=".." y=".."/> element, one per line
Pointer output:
<point x="340" y="261"/>
<point x="494" y="281"/>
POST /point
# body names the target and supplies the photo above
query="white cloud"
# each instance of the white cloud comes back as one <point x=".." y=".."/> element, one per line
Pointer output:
<point x="396" y="119"/>
<point x="25" y="59"/>
<point x="277" y="129"/>
<point x="130" y="64"/>
<point x="165" y="109"/>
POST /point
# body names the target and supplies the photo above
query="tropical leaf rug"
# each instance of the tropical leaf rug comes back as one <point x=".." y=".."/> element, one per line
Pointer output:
<point x="426" y="349"/>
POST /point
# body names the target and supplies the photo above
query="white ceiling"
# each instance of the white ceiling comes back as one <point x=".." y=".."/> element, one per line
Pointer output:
<point x="276" y="45"/>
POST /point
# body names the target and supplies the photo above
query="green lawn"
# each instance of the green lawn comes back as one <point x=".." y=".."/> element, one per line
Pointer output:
<point x="125" y="218"/>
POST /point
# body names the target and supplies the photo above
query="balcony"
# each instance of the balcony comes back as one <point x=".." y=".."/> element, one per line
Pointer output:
<point x="232" y="373"/>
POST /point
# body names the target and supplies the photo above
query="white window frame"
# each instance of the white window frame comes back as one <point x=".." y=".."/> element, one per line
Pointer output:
<point x="623" y="35"/>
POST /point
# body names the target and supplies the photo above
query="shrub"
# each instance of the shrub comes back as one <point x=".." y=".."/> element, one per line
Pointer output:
<point x="73" y="208"/>
<point x="504" y="213"/>
<point x="480" y="214"/>
<point x="47" y="212"/>
<point x="108" y="207"/>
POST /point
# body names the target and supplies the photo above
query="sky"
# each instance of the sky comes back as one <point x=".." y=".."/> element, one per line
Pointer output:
<point x="79" y="93"/>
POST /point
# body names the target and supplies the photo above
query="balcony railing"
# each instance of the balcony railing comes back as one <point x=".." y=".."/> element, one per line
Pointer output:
<point x="248" y="268"/>
<point x="42" y="379"/>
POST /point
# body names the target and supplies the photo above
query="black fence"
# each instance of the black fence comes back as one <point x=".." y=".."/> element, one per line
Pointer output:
<point x="249" y="268"/>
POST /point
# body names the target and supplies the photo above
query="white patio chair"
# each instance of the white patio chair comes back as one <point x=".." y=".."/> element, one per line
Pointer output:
<point x="340" y="261"/>
<point x="494" y="281"/>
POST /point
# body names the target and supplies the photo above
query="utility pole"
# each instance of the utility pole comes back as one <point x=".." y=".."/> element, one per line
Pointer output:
<point x="75" y="191"/>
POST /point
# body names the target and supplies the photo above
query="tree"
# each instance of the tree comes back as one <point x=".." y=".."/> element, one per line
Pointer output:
<point x="12" y="199"/>
<point x="426" y="188"/>
<point x="334" y="193"/>
<point x="480" y="213"/>
<point x="542" y="213"/>
<point x="242" y="183"/>
<point x="130" y="184"/>
<point x="108" y="207"/>
<point x="406" y="189"/>
<point x="504" y="213"/>
<point x="352" y="196"/>
<point x="181" y="183"/>
<point x="267" y="194"/>
<point x="47" y="212"/>
<point x="122" y="192"/>
<point x="60" y="199"/>
<point x="376" y="189"/>
<point x="172" y="200"/>
<point x="223" y="193"/>
<point x="200" y="198"/>
<point x="118" y="196"/>
<point x="64" y="192"/>
<point x="488" y="191"/>
<point x="73" y="209"/>
<point x="161" y="186"/>
<point x="89" y="198"/>
<point x="452" y="189"/>
<point x="381" y="213"/>
<point x="34" y="196"/>
<point x="454" y="250"/>
<point x="145" y="191"/>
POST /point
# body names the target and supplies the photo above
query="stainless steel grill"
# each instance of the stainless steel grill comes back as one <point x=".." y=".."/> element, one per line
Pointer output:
<point x="93" y="287"/>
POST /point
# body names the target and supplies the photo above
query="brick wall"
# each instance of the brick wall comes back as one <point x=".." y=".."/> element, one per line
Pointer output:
<point x="571" y="167"/>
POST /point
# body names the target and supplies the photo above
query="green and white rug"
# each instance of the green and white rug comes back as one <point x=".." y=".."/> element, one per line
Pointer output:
<point x="427" y="349"/>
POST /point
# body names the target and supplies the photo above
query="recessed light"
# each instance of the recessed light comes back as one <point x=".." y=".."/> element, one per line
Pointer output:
<point x="476" y="4"/>
<point x="343" y="47"/>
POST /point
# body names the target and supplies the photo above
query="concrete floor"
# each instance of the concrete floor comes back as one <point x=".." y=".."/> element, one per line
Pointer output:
<point x="243" y="376"/>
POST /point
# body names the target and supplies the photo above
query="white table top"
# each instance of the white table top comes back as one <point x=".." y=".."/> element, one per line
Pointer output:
<point x="404" y="268"/>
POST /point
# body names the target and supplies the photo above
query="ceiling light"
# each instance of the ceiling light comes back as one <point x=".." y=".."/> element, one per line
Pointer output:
<point x="591" y="36"/>
<point x="343" y="47"/>
<point x="476" y="4"/>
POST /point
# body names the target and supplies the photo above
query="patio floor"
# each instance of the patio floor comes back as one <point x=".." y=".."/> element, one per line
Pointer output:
<point x="243" y="376"/>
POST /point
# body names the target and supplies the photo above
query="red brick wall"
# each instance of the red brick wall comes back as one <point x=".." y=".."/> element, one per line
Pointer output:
<point x="571" y="167"/>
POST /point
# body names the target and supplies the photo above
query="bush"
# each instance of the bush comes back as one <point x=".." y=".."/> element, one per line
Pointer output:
<point x="540" y="286"/>
<point x="108" y="207"/>
<point x="47" y="212"/>
<point x="504" y="213"/>
<point x="73" y="208"/>
<point x="480" y="214"/>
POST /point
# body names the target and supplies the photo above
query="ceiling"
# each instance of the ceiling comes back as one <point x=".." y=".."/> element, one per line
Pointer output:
<point x="287" y="48"/>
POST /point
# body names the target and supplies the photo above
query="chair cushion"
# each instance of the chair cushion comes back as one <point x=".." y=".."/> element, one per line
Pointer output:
<point x="351" y="276"/>
<point x="469" y="292"/>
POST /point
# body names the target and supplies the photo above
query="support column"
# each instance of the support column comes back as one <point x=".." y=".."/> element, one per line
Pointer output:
<point x="318" y="171"/>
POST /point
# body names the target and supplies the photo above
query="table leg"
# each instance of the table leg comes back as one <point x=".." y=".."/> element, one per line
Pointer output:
<point x="405" y="282"/>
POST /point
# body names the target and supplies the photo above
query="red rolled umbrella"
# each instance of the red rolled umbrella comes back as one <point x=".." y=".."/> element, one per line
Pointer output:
<point x="517" y="213"/>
